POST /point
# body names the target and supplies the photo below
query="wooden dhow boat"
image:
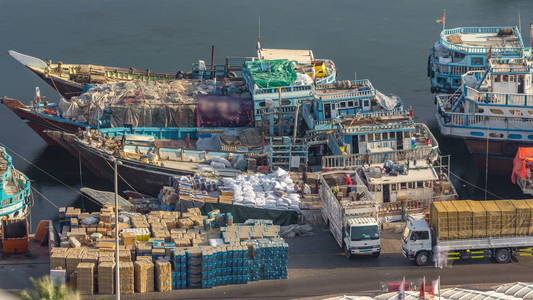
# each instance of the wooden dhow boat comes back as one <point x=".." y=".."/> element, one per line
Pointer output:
<point x="71" y="79"/>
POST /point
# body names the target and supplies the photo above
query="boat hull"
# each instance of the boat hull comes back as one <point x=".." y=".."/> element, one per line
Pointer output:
<point x="39" y="122"/>
<point x="500" y="154"/>
<point x="140" y="177"/>
<point x="66" y="88"/>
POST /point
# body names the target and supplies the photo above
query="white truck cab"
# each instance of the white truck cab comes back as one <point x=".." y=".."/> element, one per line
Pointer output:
<point x="361" y="236"/>
<point x="417" y="242"/>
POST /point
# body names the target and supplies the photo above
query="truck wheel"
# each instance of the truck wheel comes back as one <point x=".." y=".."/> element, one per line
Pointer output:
<point x="376" y="254"/>
<point x="422" y="258"/>
<point x="502" y="256"/>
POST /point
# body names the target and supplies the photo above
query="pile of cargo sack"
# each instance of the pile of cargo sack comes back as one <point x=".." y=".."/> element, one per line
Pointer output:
<point x="165" y="250"/>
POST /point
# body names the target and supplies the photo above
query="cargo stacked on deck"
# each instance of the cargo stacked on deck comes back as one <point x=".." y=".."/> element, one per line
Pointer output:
<point x="163" y="250"/>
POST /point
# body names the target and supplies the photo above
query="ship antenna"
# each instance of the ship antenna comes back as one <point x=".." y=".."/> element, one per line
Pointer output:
<point x="259" y="33"/>
<point x="519" y="23"/>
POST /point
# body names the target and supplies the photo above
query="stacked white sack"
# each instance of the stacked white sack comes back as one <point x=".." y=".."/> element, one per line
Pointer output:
<point x="274" y="191"/>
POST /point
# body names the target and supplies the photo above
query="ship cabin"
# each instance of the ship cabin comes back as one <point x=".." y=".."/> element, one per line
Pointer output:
<point x="464" y="49"/>
<point x="407" y="180"/>
<point x="14" y="188"/>
<point x="499" y="100"/>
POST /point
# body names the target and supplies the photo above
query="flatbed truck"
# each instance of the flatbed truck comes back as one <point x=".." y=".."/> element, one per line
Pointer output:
<point x="421" y="245"/>
<point x="353" y="224"/>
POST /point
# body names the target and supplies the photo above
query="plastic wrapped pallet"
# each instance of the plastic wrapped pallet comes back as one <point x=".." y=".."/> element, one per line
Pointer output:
<point x="494" y="218"/>
<point x="509" y="217"/>
<point x="144" y="275"/>
<point x="479" y="219"/>
<point x="85" y="278"/>
<point x="194" y="267"/>
<point x="106" y="277"/>
<point x="439" y="219"/>
<point x="163" y="275"/>
<point x="126" y="277"/>
<point x="523" y="216"/>
<point x="464" y="219"/>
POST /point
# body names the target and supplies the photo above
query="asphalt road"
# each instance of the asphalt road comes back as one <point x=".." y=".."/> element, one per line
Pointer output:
<point x="316" y="268"/>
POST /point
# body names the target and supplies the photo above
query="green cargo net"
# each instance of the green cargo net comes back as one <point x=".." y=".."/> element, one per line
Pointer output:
<point x="271" y="73"/>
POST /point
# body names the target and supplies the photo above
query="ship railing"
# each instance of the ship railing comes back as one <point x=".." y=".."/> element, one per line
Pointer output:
<point x="373" y="114"/>
<point x="452" y="69"/>
<point x="357" y="160"/>
<point x="479" y="50"/>
<point x="377" y="127"/>
<point x="347" y="95"/>
<point x="499" y="98"/>
<point x="355" y="83"/>
<point x="235" y="63"/>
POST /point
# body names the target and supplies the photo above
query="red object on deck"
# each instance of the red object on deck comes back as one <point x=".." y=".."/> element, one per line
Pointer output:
<point x="15" y="237"/>
<point x="524" y="155"/>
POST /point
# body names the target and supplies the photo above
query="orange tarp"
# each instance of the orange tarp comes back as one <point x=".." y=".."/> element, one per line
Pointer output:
<point x="523" y="156"/>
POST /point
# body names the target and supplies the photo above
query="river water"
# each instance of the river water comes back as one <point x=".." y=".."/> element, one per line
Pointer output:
<point x="383" y="40"/>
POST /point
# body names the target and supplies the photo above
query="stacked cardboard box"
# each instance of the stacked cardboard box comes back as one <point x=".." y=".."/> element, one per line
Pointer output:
<point x="127" y="283"/>
<point x="479" y="219"/>
<point x="58" y="258"/>
<point x="163" y="275"/>
<point x="106" y="277"/>
<point x="144" y="275"/>
<point x="85" y="278"/>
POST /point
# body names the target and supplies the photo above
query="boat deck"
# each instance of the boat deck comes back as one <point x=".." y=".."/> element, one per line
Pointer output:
<point x="485" y="40"/>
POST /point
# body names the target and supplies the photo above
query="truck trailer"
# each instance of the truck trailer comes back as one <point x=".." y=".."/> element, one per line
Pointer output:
<point x="350" y="214"/>
<point x="464" y="229"/>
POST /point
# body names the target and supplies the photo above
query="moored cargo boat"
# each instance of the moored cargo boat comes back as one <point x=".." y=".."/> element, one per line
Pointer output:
<point x="72" y="79"/>
<point x="15" y="192"/>
<point x="463" y="49"/>
<point x="493" y="114"/>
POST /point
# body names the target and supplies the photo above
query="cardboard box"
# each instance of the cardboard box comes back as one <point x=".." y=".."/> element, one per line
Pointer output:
<point x="106" y="277"/>
<point x="163" y="275"/>
<point x="144" y="275"/>
<point x="85" y="278"/>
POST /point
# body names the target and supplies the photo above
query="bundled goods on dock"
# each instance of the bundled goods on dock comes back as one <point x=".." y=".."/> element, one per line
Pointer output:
<point x="465" y="219"/>
<point x="166" y="250"/>
<point x="275" y="190"/>
<point x="85" y="278"/>
<point x="137" y="103"/>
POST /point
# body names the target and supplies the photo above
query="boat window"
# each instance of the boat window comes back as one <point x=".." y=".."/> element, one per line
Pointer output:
<point x="378" y="136"/>
<point x="505" y="78"/>
<point x="530" y="137"/>
<point x="378" y="187"/>
<point x="393" y="187"/>
<point x="350" y="104"/>
<point x="362" y="138"/>
<point x="419" y="184"/>
<point x="411" y="185"/>
<point x="392" y="135"/>
<point x="342" y="104"/>
<point x="496" y="111"/>
<point x="262" y="103"/>
<point x="515" y="136"/>
<point x="367" y="103"/>
<point x="516" y="112"/>
<point x="477" y="60"/>
<point x="370" y="137"/>
<point x="285" y="102"/>
<point x="497" y="78"/>
<point x="496" y="135"/>
<point x="403" y="186"/>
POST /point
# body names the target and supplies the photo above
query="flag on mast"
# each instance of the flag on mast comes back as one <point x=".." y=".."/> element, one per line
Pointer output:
<point x="442" y="20"/>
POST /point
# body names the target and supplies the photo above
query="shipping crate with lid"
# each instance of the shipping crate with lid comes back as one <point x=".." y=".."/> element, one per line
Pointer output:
<point x="106" y="278"/>
<point x="85" y="278"/>
<point x="494" y="218"/>
<point x="509" y="215"/>
<point x="439" y="219"/>
<point x="144" y="275"/>
<point x="126" y="277"/>
<point x="464" y="219"/>
<point x="479" y="219"/>
<point x="523" y="217"/>
<point x="163" y="275"/>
